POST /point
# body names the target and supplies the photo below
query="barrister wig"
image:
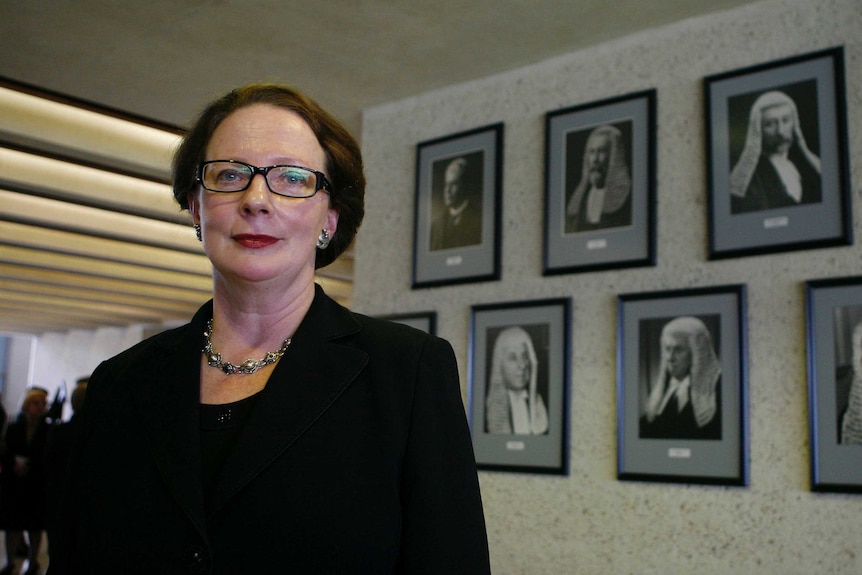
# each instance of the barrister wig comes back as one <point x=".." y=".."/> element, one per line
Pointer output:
<point x="743" y="171"/>
<point x="618" y="183"/>
<point x="851" y="425"/>
<point x="705" y="369"/>
<point x="497" y="403"/>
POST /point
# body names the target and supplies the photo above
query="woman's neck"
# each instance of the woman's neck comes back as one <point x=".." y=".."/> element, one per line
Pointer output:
<point x="254" y="318"/>
<point x="248" y="325"/>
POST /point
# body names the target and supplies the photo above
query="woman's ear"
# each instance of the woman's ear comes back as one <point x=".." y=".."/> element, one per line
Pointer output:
<point x="332" y="221"/>
<point x="195" y="208"/>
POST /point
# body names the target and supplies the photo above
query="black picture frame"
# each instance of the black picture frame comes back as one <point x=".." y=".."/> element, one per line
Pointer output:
<point x="707" y="441"/>
<point x="540" y="329"/>
<point x="586" y="230"/>
<point x="834" y="353"/>
<point x="749" y="211"/>
<point x="467" y="250"/>
<point x="425" y="320"/>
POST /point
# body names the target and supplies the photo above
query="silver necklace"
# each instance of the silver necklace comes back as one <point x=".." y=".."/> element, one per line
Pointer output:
<point x="246" y="367"/>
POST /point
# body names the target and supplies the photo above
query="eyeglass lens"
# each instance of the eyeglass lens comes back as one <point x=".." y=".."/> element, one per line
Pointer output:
<point x="291" y="181"/>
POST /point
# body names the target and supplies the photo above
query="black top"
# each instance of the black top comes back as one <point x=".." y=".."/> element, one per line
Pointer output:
<point x="220" y="424"/>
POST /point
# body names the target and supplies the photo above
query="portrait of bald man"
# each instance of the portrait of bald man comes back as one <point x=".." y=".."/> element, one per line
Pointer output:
<point x="456" y="212"/>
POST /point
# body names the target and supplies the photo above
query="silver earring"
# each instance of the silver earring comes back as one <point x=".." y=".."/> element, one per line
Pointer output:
<point x="323" y="239"/>
<point x="198" y="232"/>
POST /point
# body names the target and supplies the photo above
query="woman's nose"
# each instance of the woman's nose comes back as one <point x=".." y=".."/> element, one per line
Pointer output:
<point x="257" y="196"/>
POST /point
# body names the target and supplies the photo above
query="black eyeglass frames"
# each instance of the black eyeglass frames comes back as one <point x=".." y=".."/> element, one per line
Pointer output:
<point x="227" y="176"/>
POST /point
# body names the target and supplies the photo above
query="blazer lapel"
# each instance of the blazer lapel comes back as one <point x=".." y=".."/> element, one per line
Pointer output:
<point x="168" y="403"/>
<point x="308" y="379"/>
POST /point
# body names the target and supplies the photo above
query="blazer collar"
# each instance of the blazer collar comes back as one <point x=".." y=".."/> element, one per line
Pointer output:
<point x="311" y="376"/>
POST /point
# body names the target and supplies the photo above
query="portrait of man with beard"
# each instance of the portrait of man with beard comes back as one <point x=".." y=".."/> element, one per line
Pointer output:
<point x="602" y="197"/>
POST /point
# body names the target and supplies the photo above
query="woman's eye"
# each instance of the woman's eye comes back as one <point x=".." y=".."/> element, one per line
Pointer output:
<point x="292" y="180"/>
<point x="228" y="176"/>
<point x="295" y="177"/>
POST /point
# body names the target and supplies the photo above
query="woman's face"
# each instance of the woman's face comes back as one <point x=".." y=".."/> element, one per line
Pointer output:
<point x="36" y="406"/>
<point x="516" y="365"/>
<point x="256" y="235"/>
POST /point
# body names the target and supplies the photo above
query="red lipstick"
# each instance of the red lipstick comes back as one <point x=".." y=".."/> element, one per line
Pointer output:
<point x="254" y="241"/>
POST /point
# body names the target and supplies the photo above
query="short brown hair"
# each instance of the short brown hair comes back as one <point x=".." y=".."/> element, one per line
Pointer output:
<point x="343" y="156"/>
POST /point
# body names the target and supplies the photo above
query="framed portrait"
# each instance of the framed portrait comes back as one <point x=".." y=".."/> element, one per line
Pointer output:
<point x="834" y="330"/>
<point x="681" y="386"/>
<point x="518" y="385"/>
<point x="600" y="185"/>
<point x="777" y="156"/>
<point x="425" y="321"/>
<point x="458" y="195"/>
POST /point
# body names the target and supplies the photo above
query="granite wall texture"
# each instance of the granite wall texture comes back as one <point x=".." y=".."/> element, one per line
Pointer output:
<point x="588" y="521"/>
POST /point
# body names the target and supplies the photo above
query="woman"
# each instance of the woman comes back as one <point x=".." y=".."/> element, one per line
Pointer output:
<point x="514" y="404"/>
<point x="343" y="449"/>
<point x="22" y="506"/>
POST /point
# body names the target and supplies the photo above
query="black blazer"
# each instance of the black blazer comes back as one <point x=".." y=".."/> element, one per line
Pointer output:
<point x="356" y="459"/>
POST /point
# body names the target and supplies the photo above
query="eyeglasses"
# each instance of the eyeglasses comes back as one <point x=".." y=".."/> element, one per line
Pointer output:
<point x="290" y="181"/>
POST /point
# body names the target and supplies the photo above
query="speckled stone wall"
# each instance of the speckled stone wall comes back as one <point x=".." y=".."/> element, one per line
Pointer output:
<point x="589" y="522"/>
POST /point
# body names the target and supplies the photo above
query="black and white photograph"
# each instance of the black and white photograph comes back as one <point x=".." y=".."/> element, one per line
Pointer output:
<point x="598" y="178"/>
<point x="848" y="374"/>
<point x="778" y="156"/>
<point x="682" y="386"/>
<point x="519" y="384"/>
<point x="834" y="326"/>
<point x="778" y="164"/>
<point x="600" y="185"/>
<point x="458" y="194"/>
<point x="425" y="321"/>
<point x="456" y="202"/>
<point x="517" y="380"/>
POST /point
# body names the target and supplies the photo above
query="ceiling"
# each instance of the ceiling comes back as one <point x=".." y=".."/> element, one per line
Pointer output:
<point x="99" y="243"/>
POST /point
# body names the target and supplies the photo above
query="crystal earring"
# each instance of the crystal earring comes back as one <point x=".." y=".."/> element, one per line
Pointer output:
<point x="323" y="239"/>
<point x="198" y="232"/>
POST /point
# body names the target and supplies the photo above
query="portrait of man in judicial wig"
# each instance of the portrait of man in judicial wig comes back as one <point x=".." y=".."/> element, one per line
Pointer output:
<point x="598" y="178"/>
<point x="517" y="380"/>
<point x="456" y="209"/>
<point x="848" y="374"/>
<point x="774" y="148"/>
<point x="680" y="378"/>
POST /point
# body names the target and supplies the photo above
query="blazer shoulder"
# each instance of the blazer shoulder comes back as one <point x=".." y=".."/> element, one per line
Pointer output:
<point x="157" y="345"/>
<point x="164" y="345"/>
<point x="395" y="334"/>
